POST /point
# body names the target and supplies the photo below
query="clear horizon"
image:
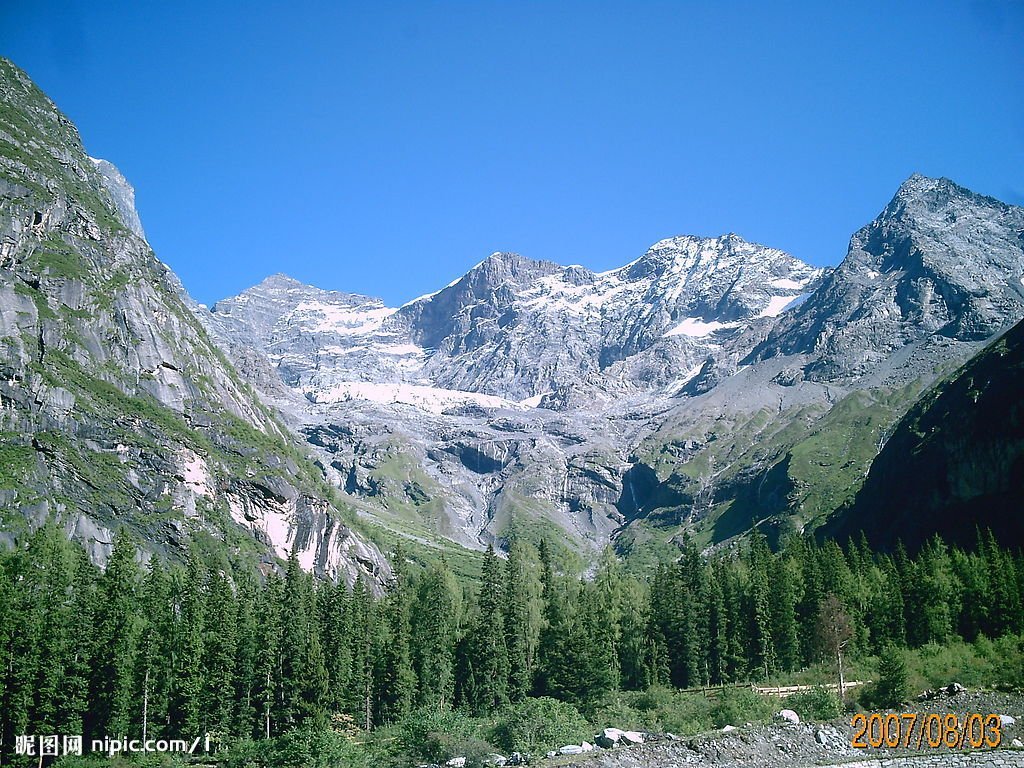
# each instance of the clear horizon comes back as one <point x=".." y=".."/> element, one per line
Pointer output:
<point x="384" y="149"/>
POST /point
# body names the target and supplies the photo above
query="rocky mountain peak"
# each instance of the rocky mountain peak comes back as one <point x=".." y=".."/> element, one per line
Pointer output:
<point x="122" y="193"/>
<point x="939" y="259"/>
<point x="502" y="268"/>
<point x="688" y="258"/>
<point x="280" y="282"/>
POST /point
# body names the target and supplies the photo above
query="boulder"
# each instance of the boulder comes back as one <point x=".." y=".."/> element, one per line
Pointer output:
<point x="518" y="758"/>
<point x="608" y="738"/>
<point x="495" y="760"/>
<point x="1017" y="743"/>
<point x="456" y="762"/>
<point x="789" y="716"/>
<point x="728" y="728"/>
<point x="571" y="749"/>
<point x="1007" y="720"/>
<point x="820" y="737"/>
<point x="632" y="737"/>
<point x="586" y="746"/>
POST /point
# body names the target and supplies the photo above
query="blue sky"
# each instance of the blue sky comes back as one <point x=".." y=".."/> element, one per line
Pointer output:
<point x="385" y="147"/>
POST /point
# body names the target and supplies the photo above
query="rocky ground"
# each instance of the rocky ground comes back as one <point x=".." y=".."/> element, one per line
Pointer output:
<point x="801" y="745"/>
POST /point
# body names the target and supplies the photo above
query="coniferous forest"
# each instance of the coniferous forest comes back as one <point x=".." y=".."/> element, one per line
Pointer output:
<point x="178" y="650"/>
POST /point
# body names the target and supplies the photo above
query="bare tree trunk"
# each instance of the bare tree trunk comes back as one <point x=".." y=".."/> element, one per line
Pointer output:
<point x="145" y="707"/>
<point x="842" y="681"/>
<point x="266" y="709"/>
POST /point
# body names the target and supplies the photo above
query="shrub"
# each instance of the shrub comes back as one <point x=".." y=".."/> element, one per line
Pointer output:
<point x="656" y="698"/>
<point x="740" y="705"/>
<point x="620" y="710"/>
<point x="310" y="748"/>
<point x="819" y="703"/>
<point x="539" y="724"/>
<point x="433" y="736"/>
<point x="685" y="714"/>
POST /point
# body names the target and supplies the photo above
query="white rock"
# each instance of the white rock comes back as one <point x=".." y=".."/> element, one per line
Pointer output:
<point x="1017" y="743"/>
<point x="729" y="728"/>
<point x="632" y="737"/>
<point x="789" y="716"/>
<point x="587" y="746"/>
<point x="1007" y="720"/>
<point x="571" y="749"/>
<point x="456" y="762"/>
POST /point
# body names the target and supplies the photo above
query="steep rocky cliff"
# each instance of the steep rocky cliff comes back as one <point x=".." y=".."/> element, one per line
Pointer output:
<point x="956" y="459"/>
<point x="116" y="409"/>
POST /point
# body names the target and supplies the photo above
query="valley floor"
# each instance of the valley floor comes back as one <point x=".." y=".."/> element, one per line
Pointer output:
<point x="808" y="745"/>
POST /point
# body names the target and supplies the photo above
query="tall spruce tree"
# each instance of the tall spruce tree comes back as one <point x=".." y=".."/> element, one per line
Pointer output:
<point x="517" y="622"/>
<point x="434" y="630"/>
<point x="486" y="648"/>
<point x="153" y="671"/>
<point x="220" y="648"/>
<point x="189" y="678"/>
<point x="395" y="678"/>
<point x="118" y="625"/>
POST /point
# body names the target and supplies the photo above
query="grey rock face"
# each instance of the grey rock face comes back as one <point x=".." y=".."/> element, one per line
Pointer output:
<point x="456" y="393"/>
<point x="118" y="407"/>
<point x="122" y="193"/>
<point x="938" y="260"/>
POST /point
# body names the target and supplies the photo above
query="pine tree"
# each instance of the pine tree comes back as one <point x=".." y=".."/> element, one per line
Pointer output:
<point x="785" y="636"/>
<point x="315" y="685"/>
<point x="759" y="621"/>
<point x="153" y="670"/>
<point x="22" y="652"/>
<point x="634" y="642"/>
<point x="834" y="632"/>
<point x="117" y="636"/>
<point x="808" y="606"/>
<point x="220" y="646"/>
<point x="395" y="678"/>
<point x="718" y="628"/>
<point x="74" y="699"/>
<point x="363" y="645"/>
<point x="517" y="622"/>
<point x="434" y="630"/>
<point x="267" y="682"/>
<point x="187" y="693"/>
<point x="487" y="651"/>
<point x="893" y="687"/>
<point x="50" y="552"/>
<point x="247" y="655"/>
<point x="336" y="629"/>
<point x="295" y="632"/>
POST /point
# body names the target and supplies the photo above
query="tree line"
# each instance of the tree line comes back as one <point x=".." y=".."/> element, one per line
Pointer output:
<point x="168" y="651"/>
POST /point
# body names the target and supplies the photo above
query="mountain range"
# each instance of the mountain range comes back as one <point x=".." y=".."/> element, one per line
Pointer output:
<point x="709" y="387"/>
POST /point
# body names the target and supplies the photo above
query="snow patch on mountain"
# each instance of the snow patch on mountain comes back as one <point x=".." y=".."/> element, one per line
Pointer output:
<point x="431" y="399"/>
<point x="697" y="328"/>
<point x="338" y="319"/>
